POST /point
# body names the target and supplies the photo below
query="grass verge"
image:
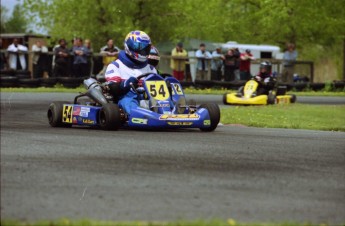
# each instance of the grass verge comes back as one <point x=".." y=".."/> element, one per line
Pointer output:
<point x="229" y="222"/>
<point x="292" y="116"/>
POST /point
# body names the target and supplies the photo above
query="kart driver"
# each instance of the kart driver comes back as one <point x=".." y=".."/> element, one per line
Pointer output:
<point x="153" y="58"/>
<point x="132" y="62"/>
<point x="264" y="78"/>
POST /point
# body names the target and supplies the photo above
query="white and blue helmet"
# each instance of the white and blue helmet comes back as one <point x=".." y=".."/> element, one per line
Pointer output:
<point x="137" y="45"/>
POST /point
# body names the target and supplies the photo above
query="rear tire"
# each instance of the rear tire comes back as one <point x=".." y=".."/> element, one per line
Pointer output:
<point x="110" y="117"/>
<point x="54" y="114"/>
<point x="224" y="98"/>
<point x="271" y="99"/>
<point x="214" y="112"/>
<point x="293" y="98"/>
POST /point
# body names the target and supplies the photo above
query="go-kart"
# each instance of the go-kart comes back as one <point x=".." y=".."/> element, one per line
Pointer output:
<point x="247" y="95"/>
<point x="162" y="105"/>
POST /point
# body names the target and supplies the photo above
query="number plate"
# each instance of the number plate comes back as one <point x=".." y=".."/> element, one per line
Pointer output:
<point x="158" y="89"/>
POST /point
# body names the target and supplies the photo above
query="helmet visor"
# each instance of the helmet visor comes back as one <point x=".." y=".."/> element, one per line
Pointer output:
<point x="139" y="47"/>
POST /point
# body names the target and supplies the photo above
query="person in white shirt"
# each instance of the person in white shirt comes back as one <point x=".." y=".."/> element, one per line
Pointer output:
<point x="16" y="55"/>
<point x="132" y="62"/>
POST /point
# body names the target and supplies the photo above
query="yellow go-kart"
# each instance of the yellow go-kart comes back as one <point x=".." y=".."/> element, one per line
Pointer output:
<point x="247" y="95"/>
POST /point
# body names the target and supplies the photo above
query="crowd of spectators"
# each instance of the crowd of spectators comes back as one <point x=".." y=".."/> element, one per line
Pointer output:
<point x="76" y="61"/>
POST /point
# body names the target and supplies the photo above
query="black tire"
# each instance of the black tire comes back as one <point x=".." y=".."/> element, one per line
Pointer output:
<point x="48" y="82"/>
<point x="9" y="81"/>
<point x="293" y="98"/>
<point x="110" y="117"/>
<point x="23" y="76"/>
<point x="54" y="114"/>
<point x="224" y="99"/>
<point x="271" y="99"/>
<point x="29" y="83"/>
<point x="213" y="110"/>
<point x="7" y="73"/>
<point x="70" y="82"/>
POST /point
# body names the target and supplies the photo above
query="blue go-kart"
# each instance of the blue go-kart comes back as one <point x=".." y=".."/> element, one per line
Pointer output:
<point x="162" y="106"/>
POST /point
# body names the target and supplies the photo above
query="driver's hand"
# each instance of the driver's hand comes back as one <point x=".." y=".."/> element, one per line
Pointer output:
<point x="258" y="78"/>
<point x="132" y="80"/>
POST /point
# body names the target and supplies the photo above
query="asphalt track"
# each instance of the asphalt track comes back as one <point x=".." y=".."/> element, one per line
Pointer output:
<point x="247" y="174"/>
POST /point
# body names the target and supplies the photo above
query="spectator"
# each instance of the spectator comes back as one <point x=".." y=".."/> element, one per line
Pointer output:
<point x="87" y="44"/>
<point x="245" y="59"/>
<point x="61" y="53"/>
<point x="178" y="61"/>
<point x="110" y="53"/>
<point x="289" y="58"/>
<point x="80" y="56"/>
<point x="202" y="65"/>
<point x="231" y="64"/>
<point x="16" y="55"/>
<point x="39" y="59"/>
<point x="216" y="64"/>
<point x="3" y="59"/>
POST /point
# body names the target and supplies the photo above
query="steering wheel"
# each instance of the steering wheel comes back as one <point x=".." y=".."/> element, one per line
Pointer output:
<point x="144" y="75"/>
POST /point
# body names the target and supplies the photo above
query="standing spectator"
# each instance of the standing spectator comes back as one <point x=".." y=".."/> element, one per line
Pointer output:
<point x="80" y="55"/>
<point x="202" y="65"/>
<point x="245" y="59"/>
<point x="16" y="55"/>
<point x="39" y="59"/>
<point x="216" y="64"/>
<point x="231" y="64"/>
<point x="3" y="59"/>
<point x="61" y="53"/>
<point x="110" y="53"/>
<point x="289" y="58"/>
<point x="178" y="61"/>
<point x="87" y="44"/>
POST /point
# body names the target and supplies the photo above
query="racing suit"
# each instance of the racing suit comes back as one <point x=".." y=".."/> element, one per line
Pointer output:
<point x="122" y="69"/>
<point x="266" y="83"/>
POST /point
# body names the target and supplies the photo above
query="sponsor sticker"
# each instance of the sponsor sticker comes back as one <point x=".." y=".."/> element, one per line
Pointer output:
<point x="179" y="117"/>
<point x="180" y="123"/>
<point x="207" y="122"/>
<point x="84" y="112"/>
<point x="139" y="121"/>
<point x="88" y="121"/>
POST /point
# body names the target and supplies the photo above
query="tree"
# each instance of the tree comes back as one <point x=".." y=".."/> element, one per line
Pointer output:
<point x="17" y="23"/>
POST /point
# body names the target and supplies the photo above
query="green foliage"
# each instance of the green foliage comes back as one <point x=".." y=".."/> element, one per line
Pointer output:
<point x="17" y="23"/>
<point x="247" y="21"/>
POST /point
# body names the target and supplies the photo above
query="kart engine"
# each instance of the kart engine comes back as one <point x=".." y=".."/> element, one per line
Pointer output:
<point x="94" y="91"/>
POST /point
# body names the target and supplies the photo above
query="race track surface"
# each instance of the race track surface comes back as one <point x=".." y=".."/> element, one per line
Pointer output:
<point x="248" y="174"/>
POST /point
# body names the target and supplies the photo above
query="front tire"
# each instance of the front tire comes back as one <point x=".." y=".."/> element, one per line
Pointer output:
<point x="271" y="99"/>
<point x="110" y="117"/>
<point x="214" y="112"/>
<point x="54" y="114"/>
<point x="293" y="98"/>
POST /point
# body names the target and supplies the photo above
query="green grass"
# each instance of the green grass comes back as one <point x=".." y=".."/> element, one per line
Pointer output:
<point x="67" y="222"/>
<point x="292" y="116"/>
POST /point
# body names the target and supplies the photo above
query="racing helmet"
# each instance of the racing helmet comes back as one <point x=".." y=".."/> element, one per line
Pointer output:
<point x="137" y="45"/>
<point x="153" y="58"/>
<point x="266" y="65"/>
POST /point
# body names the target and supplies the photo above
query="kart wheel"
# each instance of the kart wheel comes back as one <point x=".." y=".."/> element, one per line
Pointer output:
<point x="54" y="114"/>
<point x="293" y="98"/>
<point x="214" y="112"/>
<point x="271" y="99"/>
<point x="224" y="98"/>
<point x="110" y="117"/>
